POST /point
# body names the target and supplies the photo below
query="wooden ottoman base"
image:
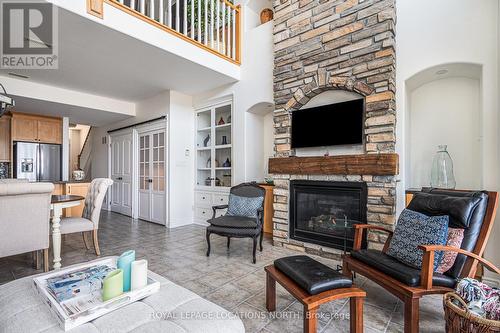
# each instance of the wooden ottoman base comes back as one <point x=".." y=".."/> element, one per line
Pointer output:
<point x="312" y="302"/>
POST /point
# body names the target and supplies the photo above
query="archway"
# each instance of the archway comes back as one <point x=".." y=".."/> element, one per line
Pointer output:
<point x="444" y="108"/>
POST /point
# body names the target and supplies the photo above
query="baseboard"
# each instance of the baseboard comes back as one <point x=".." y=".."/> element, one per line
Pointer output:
<point x="201" y="222"/>
<point x="174" y="223"/>
<point x="492" y="281"/>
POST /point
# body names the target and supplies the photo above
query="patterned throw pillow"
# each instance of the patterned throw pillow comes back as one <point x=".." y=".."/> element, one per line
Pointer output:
<point x="244" y="206"/>
<point x="414" y="229"/>
<point x="455" y="237"/>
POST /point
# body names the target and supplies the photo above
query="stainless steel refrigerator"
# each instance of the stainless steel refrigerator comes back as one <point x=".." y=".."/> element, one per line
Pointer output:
<point x="37" y="161"/>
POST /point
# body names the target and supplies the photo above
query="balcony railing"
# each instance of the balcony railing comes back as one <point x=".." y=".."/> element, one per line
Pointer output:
<point x="213" y="25"/>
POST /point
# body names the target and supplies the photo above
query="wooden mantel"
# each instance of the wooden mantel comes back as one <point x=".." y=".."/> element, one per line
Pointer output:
<point x="367" y="164"/>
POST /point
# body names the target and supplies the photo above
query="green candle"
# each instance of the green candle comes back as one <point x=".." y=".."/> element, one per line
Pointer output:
<point x="112" y="286"/>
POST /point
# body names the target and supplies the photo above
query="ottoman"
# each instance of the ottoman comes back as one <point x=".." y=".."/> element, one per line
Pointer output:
<point x="313" y="284"/>
<point x="172" y="309"/>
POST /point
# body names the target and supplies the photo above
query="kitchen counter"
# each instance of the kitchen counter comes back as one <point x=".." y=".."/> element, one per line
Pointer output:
<point x="71" y="181"/>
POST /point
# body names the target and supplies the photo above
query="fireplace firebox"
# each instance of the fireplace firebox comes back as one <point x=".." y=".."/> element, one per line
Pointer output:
<point x="324" y="212"/>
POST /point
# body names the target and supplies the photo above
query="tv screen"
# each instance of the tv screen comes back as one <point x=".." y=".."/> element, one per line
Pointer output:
<point x="328" y="125"/>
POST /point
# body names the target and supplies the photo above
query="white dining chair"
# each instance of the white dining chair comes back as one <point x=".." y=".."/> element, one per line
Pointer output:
<point x="91" y="213"/>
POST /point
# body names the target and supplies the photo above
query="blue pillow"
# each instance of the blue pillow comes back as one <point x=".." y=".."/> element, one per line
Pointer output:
<point x="414" y="229"/>
<point x="244" y="206"/>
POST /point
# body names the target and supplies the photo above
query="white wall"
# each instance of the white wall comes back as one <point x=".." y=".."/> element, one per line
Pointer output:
<point x="255" y="86"/>
<point x="431" y="33"/>
<point x="445" y="111"/>
<point x="181" y="159"/>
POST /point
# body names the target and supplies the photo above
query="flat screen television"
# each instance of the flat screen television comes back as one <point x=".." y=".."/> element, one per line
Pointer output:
<point x="328" y="125"/>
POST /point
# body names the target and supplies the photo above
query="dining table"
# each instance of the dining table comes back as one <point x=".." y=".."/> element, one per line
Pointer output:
<point x="57" y="204"/>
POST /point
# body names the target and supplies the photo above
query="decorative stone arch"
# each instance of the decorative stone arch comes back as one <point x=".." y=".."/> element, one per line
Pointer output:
<point x="323" y="82"/>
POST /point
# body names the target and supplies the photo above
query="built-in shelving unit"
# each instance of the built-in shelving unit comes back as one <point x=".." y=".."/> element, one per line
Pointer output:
<point x="214" y="150"/>
<point x="214" y="146"/>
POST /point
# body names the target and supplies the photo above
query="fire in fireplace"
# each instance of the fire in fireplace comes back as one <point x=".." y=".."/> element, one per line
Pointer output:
<point x="323" y="212"/>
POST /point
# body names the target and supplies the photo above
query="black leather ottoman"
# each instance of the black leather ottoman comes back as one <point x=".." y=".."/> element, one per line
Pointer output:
<point x="313" y="284"/>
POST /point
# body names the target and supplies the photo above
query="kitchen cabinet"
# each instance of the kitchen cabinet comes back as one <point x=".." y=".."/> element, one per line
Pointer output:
<point x="76" y="189"/>
<point x="5" y="139"/>
<point x="70" y="188"/>
<point x="33" y="128"/>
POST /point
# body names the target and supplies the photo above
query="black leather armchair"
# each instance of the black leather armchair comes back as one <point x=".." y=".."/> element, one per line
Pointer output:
<point x="239" y="226"/>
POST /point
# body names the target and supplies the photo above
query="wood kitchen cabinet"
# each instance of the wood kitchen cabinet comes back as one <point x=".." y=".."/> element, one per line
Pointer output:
<point x="76" y="189"/>
<point x="5" y="139"/>
<point x="33" y="128"/>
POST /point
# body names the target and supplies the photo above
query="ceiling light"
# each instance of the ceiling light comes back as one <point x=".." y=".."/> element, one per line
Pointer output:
<point x="442" y="72"/>
<point x="19" y="75"/>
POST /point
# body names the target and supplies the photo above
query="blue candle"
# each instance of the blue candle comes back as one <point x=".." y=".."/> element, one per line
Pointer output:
<point x="124" y="262"/>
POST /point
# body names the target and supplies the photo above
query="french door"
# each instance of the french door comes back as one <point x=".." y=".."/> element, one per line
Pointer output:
<point x="152" y="176"/>
<point x="121" y="173"/>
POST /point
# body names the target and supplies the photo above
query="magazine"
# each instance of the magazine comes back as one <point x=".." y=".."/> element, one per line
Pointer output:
<point x="79" y="290"/>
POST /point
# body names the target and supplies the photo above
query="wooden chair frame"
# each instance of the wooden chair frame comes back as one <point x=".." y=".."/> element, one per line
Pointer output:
<point x="312" y="303"/>
<point x="411" y="295"/>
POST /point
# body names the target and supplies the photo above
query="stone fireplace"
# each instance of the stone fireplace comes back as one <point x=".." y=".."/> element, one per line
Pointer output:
<point x="335" y="45"/>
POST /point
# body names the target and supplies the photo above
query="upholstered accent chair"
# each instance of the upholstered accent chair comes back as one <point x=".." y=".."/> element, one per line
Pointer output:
<point x="244" y="217"/>
<point x="24" y="217"/>
<point x="89" y="222"/>
<point x="473" y="211"/>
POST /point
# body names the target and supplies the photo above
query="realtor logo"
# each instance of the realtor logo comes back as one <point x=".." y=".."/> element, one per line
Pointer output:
<point x="29" y="35"/>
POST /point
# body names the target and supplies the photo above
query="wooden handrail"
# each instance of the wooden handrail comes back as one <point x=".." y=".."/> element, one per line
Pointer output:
<point x="233" y="56"/>
<point x="428" y="262"/>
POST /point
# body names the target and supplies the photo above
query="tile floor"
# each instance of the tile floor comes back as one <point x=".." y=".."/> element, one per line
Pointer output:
<point x="229" y="279"/>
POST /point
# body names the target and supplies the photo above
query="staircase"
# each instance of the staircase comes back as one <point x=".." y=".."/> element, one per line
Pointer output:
<point x="85" y="156"/>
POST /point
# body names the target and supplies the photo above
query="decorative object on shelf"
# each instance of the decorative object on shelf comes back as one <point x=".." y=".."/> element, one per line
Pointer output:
<point x="229" y="119"/>
<point x="227" y="163"/>
<point x="224" y="140"/>
<point x="209" y="163"/>
<point x="266" y="15"/>
<point x="218" y="182"/>
<point x="442" y="169"/>
<point x="221" y="121"/>
<point x="78" y="175"/>
<point x="226" y="180"/>
<point x="112" y="285"/>
<point x="139" y="274"/>
<point x="124" y="262"/>
<point x="206" y="141"/>
<point x="269" y="180"/>
<point x="217" y="164"/>
<point x="208" y="181"/>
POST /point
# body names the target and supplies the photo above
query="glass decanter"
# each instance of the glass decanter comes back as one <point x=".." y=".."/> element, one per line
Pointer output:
<point x="442" y="169"/>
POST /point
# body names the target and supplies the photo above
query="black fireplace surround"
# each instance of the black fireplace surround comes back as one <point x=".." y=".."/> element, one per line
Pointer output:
<point x="320" y="210"/>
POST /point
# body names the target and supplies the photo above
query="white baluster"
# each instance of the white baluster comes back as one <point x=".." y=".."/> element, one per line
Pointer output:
<point x="228" y="44"/>
<point x="132" y="4"/>
<point x="161" y="11"/>
<point x="205" y="26"/>
<point x="223" y="49"/>
<point x="152" y="9"/>
<point x="143" y="6"/>
<point x="169" y="14"/>
<point x="121" y="1"/>
<point x="199" y="20"/>
<point x="233" y="49"/>
<point x="212" y="23"/>
<point x="193" y="16"/>
<point x="218" y="24"/>
<point x="185" y="17"/>
<point x="177" y="17"/>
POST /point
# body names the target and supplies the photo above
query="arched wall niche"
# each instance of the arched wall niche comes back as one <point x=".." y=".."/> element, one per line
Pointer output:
<point x="444" y="107"/>
<point x="259" y="132"/>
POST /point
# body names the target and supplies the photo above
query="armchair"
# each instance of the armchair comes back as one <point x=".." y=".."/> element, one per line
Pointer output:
<point x="240" y="226"/>
<point x="473" y="211"/>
